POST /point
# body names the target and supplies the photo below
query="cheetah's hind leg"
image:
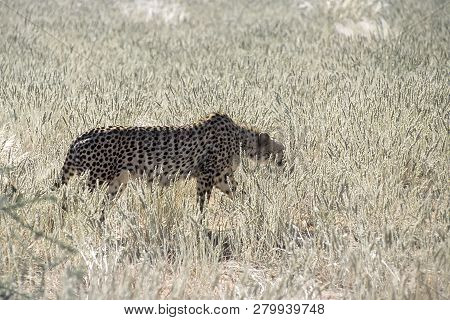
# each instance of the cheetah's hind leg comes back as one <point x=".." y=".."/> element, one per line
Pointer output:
<point x="118" y="183"/>
<point x="115" y="187"/>
<point x="204" y="189"/>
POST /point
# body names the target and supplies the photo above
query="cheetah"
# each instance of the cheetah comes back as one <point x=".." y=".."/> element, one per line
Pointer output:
<point x="208" y="150"/>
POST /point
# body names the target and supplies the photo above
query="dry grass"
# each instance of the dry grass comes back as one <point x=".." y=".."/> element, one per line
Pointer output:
<point x="357" y="90"/>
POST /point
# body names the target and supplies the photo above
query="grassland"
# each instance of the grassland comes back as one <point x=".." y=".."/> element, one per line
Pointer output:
<point x="357" y="90"/>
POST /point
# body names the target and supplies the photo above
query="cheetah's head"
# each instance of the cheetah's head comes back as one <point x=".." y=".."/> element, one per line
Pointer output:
<point x="268" y="149"/>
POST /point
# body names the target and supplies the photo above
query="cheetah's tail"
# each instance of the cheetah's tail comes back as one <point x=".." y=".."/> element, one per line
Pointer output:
<point x="56" y="185"/>
<point x="66" y="170"/>
<point x="60" y="181"/>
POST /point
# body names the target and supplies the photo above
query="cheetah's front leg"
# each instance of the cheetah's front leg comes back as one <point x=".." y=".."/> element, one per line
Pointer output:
<point x="204" y="189"/>
<point x="226" y="183"/>
<point x="118" y="183"/>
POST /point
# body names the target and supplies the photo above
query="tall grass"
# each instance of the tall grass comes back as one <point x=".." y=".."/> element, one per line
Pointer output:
<point x="357" y="90"/>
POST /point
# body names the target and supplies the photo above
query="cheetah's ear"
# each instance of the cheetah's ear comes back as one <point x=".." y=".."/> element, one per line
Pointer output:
<point x="263" y="139"/>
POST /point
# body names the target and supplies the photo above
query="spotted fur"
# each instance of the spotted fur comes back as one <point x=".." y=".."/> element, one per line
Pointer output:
<point x="208" y="150"/>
